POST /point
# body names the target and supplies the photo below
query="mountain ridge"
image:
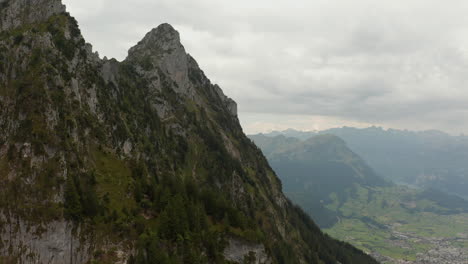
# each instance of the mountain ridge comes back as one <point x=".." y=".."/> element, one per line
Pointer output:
<point x="139" y="161"/>
<point x="431" y="159"/>
<point x="317" y="168"/>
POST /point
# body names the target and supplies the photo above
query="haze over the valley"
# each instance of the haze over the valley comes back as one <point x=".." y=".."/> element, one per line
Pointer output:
<point x="311" y="64"/>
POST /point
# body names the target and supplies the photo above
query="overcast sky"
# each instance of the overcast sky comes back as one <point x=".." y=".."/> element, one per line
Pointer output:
<point x="311" y="64"/>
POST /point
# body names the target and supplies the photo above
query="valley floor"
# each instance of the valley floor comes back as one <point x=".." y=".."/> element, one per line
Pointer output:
<point x="395" y="235"/>
<point x="420" y="249"/>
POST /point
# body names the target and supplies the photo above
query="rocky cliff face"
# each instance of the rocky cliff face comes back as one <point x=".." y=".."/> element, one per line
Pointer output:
<point x="139" y="161"/>
<point x="51" y="243"/>
<point x="20" y="12"/>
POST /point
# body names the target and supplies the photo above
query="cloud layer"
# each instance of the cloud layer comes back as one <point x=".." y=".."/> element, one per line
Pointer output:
<point x="311" y="64"/>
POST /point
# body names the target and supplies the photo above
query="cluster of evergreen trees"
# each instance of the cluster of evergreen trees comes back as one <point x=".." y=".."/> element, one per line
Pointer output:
<point x="174" y="221"/>
<point x="191" y="223"/>
<point x="80" y="197"/>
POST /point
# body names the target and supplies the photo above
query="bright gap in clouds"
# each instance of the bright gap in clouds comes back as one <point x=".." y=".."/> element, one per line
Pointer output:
<point x="311" y="64"/>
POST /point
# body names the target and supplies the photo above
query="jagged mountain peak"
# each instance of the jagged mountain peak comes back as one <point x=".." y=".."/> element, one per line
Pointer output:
<point x="165" y="32"/>
<point x="21" y="12"/>
<point x="160" y="41"/>
<point x="161" y="49"/>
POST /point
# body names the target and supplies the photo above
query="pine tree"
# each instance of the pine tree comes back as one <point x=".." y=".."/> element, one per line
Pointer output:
<point x="72" y="204"/>
<point x="90" y="202"/>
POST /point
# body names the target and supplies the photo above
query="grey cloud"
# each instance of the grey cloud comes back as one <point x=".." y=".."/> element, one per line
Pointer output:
<point x="396" y="63"/>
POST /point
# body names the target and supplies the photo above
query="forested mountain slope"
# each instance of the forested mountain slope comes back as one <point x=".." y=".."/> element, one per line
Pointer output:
<point x="139" y="161"/>
<point x="317" y="171"/>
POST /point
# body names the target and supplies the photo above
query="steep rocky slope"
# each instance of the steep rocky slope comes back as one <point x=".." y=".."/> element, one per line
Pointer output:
<point x="139" y="161"/>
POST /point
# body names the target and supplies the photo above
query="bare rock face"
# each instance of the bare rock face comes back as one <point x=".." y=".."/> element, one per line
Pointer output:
<point x="19" y="12"/>
<point x="52" y="243"/>
<point x="243" y="252"/>
<point x="161" y="48"/>
<point x="110" y="71"/>
<point x="230" y="104"/>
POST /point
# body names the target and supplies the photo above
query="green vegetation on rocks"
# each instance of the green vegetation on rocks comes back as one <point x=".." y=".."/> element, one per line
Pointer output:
<point x="141" y="161"/>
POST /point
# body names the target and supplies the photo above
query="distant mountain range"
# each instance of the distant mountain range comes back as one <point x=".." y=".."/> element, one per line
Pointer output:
<point x="352" y="202"/>
<point x="322" y="170"/>
<point x="317" y="168"/>
<point x="431" y="159"/>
